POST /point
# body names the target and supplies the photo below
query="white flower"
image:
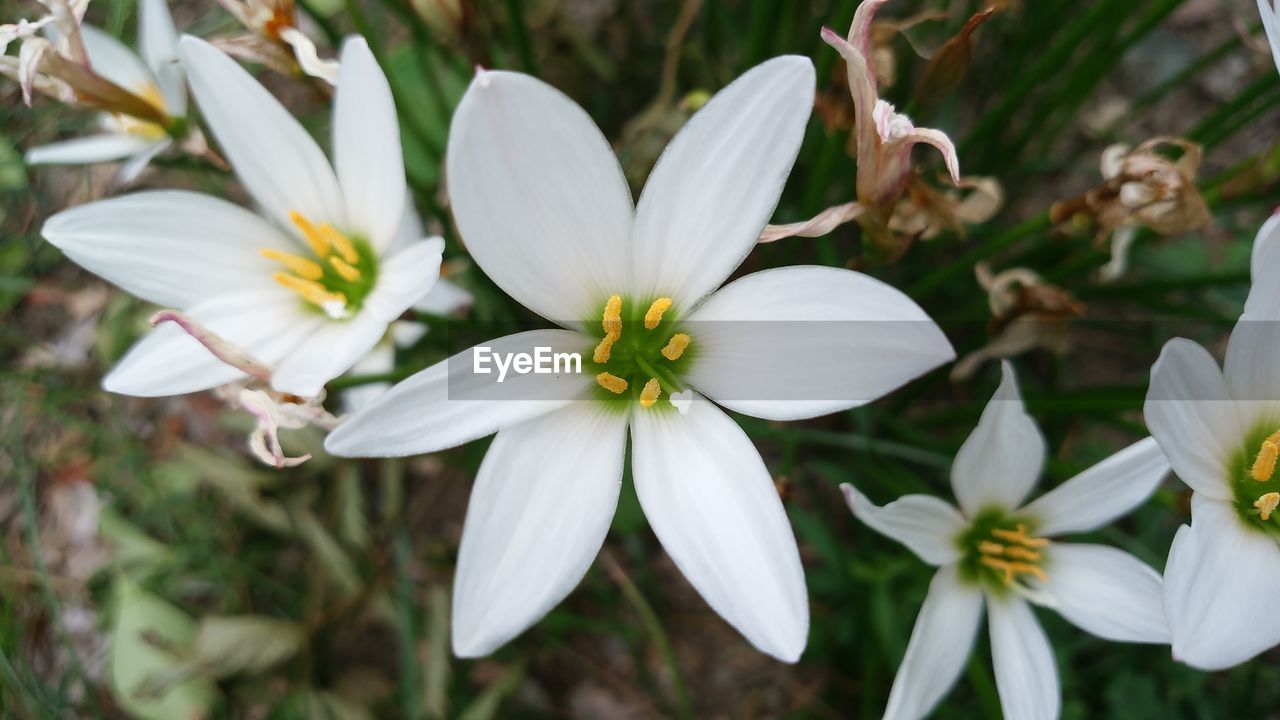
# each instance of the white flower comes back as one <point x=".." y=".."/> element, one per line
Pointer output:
<point x="542" y="205"/>
<point x="994" y="550"/>
<point x="156" y="77"/>
<point x="1217" y="426"/>
<point x="308" y="289"/>
<point x="1270" y="11"/>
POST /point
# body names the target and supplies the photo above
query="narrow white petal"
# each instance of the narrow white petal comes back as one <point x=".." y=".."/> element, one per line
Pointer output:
<point x="170" y="247"/>
<point x="114" y="61"/>
<point x="1189" y="413"/>
<point x="131" y="168"/>
<point x="1271" y="24"/>
<point x="449" y="404"/>
<point x="92" y="149"/>
<point x="940" y="645"/>
<point x="538" y="196"/>
<point x="275" y="158"/>
<point x="366" y="146"/>
<point x="1264" y="266"/>
<point x="1220" y="588"/>
<point x="799" y="342"/>
<point x="158" y="45"/>
<point x="444" y="298"/>
<point x="1001" y="460"/>
<point x="542" y="503"/>
<point x="1107" y="592"/>
<point x="1026" y="674"/>
<point x="1102" y="493"/>
<point x="267" y="323"/>
<point x="1249" y="367"/>
<point x="713" y="505"/>
<point x="405" y="278"/>
<point x="716" y="185"/>
<point x="330" y="351"/>
<point x="928" y="526"/>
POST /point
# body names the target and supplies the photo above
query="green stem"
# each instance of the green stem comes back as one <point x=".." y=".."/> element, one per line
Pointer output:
<point x="520" y="33"/>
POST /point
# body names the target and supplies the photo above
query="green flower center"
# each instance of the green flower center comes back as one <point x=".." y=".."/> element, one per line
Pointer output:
<point x="1254" y="480"/>
<point x="999" y="552"/>
<point x="337" y="278"/>
<point x="642" y="353"/>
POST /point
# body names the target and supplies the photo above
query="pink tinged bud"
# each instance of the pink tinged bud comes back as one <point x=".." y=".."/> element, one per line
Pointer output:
<point x="225" y="351"/>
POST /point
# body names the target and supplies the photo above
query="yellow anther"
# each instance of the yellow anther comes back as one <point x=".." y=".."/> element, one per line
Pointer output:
<point x="297" y="264"/>
<point x="1264" y="466"/>
<point x="1267" y="504"/>
<point x="649" y="395"/>
<point x="612" y="383"/>
<point x="1021" y="553"/>
<point x="348" y="273"/>
<point x="319" y="244"/>
<point x="339" y="242"/>
<point x="601" y="355"/>
<point x="311" y="291"/>
<point x="654" y="315"/>
<point x="1012" y="569"/>
<point x="1019" y="536"/>
<point x="613" y="317"/>
<point x="986" y="547"/>
<point x="676" y="346"/>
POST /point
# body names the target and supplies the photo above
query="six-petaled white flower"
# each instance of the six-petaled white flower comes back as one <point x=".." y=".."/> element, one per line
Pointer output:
<point x="994" y="550"/>
<point x="542" y="205"/>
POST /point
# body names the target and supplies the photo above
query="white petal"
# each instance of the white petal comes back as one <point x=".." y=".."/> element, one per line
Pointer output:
<point x="381" y="359"/>
<point x="1102" y="493"/>
<point x="1249" y="367"/>
<point x="928" y="526"/>
<point x="1189" y="414"/>
<point x="1001" y="460"/>
<point x="1220" y="588"/>
<point x="1107" y="592"/>
<point x="1264" y="265"/>
<point x="444" y="298"/>
<point x="170" y="247"/>
<point x="449" y="404"/>
<point x="131" y="168"/>
<point x="713" y="505"/>
<point x="410" y="229"/>
<point x="114" y="61"/>
<point x="799" y="342"/>
<point x="1026" y="675"/>
<point x="267" y="323"/>
<point x="92" y="149"/>
<point x="1271" y="24"/>
<point x="939" y="648"/>
<point x="541" y="506"/>
<point x="330" y="351"/>
<point x="277" y="161"/>
<point x="158" y="44"/>
<point x="538" y="196"/>
<point x="366" y="146"/>
<point x="405" y="278"/>
<point x="716" y="185"/>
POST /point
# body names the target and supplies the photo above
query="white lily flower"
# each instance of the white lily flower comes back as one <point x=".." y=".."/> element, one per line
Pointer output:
<point x="1218" y="427"/>
<point x="308" y="287"/>
<point x="543" y="207"/>
<point x="154" y="75"/>
<point x="1270" y="11"/>
<point x="994" y="550"/>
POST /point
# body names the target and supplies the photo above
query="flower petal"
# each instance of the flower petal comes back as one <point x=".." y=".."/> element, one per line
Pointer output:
<point x="1189" y="413"/>
<point x="542" y="503"/>
<point x="713" y="505"/>
<point x="1220" y="587"/>
<point x="799" y="342"/>
<point x="158" y="45"/>
<point x="939" y="648"/>
<point x="1102" y="493"/>
<point x="717" y="183"/>
<point x="167" y="361"/>
<point x="449" y="404"/>
<point x="942" y="144"/>
<point x="381" y="359"/>
<point x="928" y="526"/>
<point x="86" y="150"/>
<point x="366" y="146"/>
<point x="1026" y="675"/>
<point x="169" y="247"/>
<point x="1107" y="592"/>
<point x="278" y="162"/>
<point x="405" y="278"/>
<point x="1001" y="460"/>
<point x="1264" y="265"/>
<point x="330" y="351"/>
<point x="538" y="196"/>
<point x="1271" y="24"/>
<point x="114" y="61"/>
<point x="131" y="168"/>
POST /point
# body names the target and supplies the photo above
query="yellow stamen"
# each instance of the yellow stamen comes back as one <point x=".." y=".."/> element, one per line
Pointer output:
<point x="613" y="317"/>
<point x="1019" y="536"/>
<point x="340" y="243"/>
<point x="1267" y="504"/>
<point x="297" y="264"/>
<point x="601" y="355"/>
<point x="649" y="395"/>
<point x="319" y="245"/>
<point x="1264" y="466"/>
<point x="986" y="547"/>
<point x="1020" y="553"/>
<point x="311" y="291"/>
<point x="612" y="383"/>
<point x="654" y="315"/>
<point x="348" y="273"/>
<point x="676" y="346"/>
<point x="1013" y="569"/>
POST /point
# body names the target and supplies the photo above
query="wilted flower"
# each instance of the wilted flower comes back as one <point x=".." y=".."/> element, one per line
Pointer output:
<point x="926" y="212"/>
<point x="995" y="550"/>
<point x="1270" y="11"/>
<point x="308" y="286"/>
<point x="1026" y="313"/>
<point x="275" y="39"/>
<point x="1142" y="189"/>
<point x="542" y="205"/>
